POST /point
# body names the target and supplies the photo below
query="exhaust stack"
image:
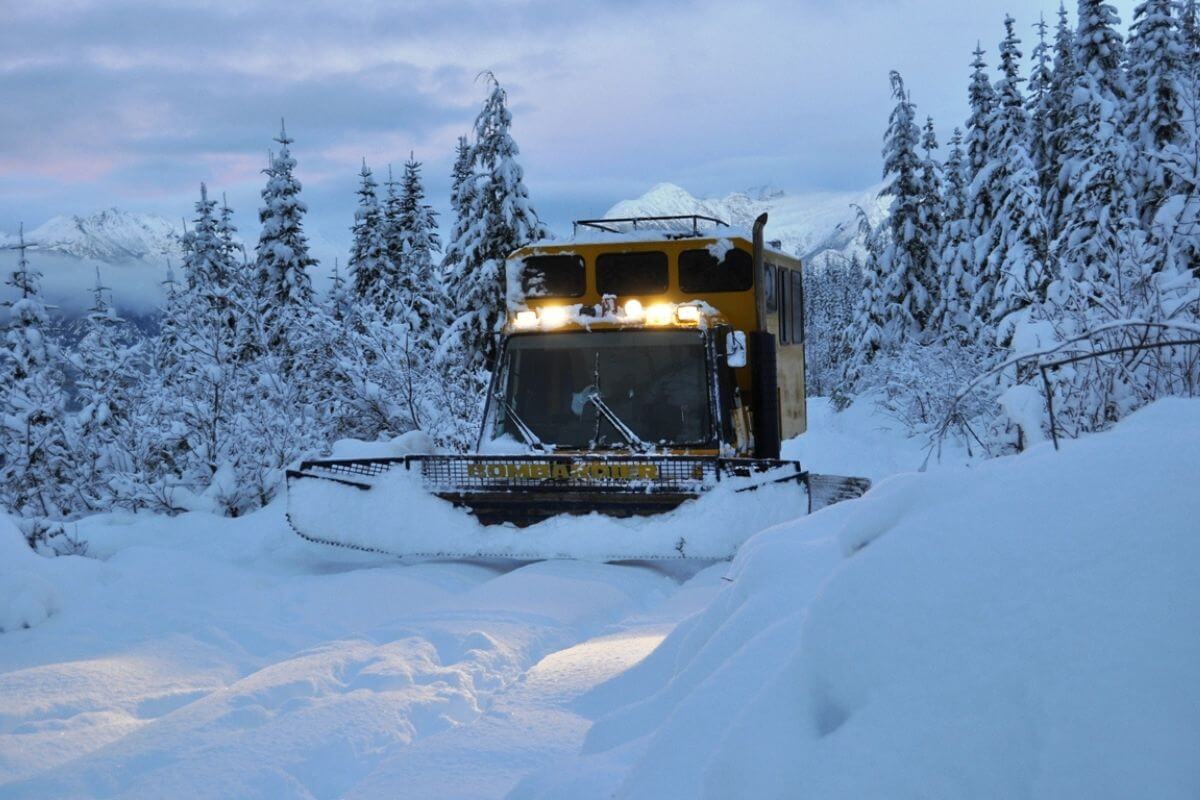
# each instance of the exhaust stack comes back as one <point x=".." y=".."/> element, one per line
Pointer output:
<point x="763" y="379"/>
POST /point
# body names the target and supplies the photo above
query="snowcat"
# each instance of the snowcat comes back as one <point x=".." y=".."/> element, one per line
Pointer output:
<point x="643" y="363"/>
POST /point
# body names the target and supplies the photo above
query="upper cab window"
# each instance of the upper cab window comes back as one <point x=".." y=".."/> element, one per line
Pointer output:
<point x="700" y="271"/>
<point x="631" y="273"/>
<point x="553" y="276"/>
<point x="771" y="295"/>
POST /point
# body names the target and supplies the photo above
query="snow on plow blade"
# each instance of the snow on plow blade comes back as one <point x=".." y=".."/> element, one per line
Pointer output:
<point x="384" y="504"/>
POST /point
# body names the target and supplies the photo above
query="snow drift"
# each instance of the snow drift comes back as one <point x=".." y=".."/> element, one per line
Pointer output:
<point x="1023" y="628"/>
<point x="26" y="597"/>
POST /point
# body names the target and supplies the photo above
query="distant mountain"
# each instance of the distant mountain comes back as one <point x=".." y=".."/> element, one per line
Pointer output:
<point x="817" y="226"/>
<point x="109" y="235"/>
<point x="130" y="249"/>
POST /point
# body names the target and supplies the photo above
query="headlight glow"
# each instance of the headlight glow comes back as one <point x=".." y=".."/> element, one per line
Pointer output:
<point x="526" y="320"/>
<point x="687" y="313"/>
<point x="660" y="314"/>
<point x="633" y="309"/>
<point x="554" y="317"/>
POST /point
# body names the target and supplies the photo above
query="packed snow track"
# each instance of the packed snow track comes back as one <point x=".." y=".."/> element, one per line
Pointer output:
<point x="1022" y="627"/>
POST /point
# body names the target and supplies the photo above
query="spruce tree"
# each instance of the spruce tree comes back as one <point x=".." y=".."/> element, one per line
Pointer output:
<point x="952" y="319"/>
<point x="909" y="254"/>
<point x="283" y="262"/>
<point x="932" y="217"/>
<point x="165" y="352"/>
<point x="1099" y="213"/>
<point x="462" y="189"/>
<point x="35" y="476"/>
<point x="866" y="337"/>
<point x="209" y="393"/>
<point x="980" y="206"/>
<point x="339" y="296"/>
<point x="1156" y="67"/>
<point x="1189" y="25"/>
<point x="497" y="219"/>
<point x="108" y="361"/>
<point x="1041" y="78"/>
<point x="422" y="300"/>
<point x="1058" y="120"/>
<point x="1014" y="250"/>
<point x="372" y="278"/>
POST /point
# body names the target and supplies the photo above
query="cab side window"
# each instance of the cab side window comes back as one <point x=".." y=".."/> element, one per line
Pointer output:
<point x="783" y="287"/>
<point x="797" y="297"/>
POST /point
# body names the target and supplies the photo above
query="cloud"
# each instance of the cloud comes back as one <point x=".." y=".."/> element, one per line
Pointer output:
<point x="133" y="103"/>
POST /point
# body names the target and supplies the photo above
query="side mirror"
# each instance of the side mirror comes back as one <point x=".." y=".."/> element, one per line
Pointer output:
<point x="735" y="349"/>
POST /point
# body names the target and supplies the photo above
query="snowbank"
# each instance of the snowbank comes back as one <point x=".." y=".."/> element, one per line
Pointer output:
<point x="1023" y="628"/>
<point x="26" y="597"/>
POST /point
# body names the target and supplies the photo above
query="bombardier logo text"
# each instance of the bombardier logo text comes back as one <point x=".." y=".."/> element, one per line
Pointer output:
<point x="564" y="472"/>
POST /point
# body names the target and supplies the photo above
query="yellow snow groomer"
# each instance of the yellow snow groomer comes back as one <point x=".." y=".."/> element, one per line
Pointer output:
<point x="642" y="362"/>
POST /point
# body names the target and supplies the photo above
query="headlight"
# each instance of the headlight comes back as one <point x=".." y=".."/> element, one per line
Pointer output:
<point x="633" y="309"/>
<point x="526" y="320"/>
<point x="660" y="314"/>
<point x="687" y="313"/>
<point x="554" y="317"/>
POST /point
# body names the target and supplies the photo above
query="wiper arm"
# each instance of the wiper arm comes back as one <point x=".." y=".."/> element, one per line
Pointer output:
<point x="626" y="432"/>
<point x="526" y="432"/>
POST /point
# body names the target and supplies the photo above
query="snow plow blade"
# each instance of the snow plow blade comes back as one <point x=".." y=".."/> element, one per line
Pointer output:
<point x="347" y="502"/>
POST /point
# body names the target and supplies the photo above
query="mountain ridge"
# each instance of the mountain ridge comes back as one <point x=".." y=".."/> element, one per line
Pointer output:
<point x="819" y="227"/>
<point x="108" y="235"/>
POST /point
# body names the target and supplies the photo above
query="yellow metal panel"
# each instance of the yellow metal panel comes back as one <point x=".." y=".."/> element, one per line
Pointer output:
<point x="737" y="309"/>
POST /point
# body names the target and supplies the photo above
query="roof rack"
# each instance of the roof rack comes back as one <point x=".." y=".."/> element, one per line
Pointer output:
<point x="606" y="224"/>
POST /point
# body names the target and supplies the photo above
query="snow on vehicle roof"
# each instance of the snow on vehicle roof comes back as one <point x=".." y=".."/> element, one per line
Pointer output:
<point x="592" y="236"/>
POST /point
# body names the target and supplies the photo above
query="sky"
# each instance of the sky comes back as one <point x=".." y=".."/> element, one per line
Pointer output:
<point x="132" y="103"/>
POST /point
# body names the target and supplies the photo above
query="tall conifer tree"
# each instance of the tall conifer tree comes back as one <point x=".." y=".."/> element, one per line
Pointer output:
<point x="35" y="477"/>
<point x="1156" y="68"/>
<point x="285" y="292"/>
<point x="498" y="219"/>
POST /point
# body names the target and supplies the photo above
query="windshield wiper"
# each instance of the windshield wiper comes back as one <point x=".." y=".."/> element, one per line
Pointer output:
<point x="526" y="432"/>
<point x="626" y="432"/>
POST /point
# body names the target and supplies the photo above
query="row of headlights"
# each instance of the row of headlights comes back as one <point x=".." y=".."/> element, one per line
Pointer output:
<point x="655" y="314"/>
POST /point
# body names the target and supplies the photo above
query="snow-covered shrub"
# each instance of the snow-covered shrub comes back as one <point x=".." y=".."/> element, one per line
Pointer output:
<point x="919" y="384"/>
<point x="830" y="291"/>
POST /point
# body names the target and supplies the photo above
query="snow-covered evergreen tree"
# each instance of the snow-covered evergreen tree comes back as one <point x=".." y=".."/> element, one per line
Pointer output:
<point x="1041" y="78"/>
<point x="866" y="336"/>
<point x="373" y="279"/>
<point x="1176" y="226"/>
<point x="209" y="393"/>
<point x="462" y="189"/>
<point x="1013" y="251"/>
<point x="1099" y="214"/>
<point x="1059" y="101"/>
<point x="1156" y="68"/>
<point x="422" y="299"/>
<point x="497" y="219"/>
<point x="1189" y="25"/>
<point x="980" y="208"/>
<point x="109" y="369"/>
<point x="933" y="212"/>
<point x="952" y="319"/>
<point x="35" y="476"/>
<point x="283" y="262"/>
<point x="338" y="299"/>
<point x="908" y="260"/>
<point x="831" y="292"/>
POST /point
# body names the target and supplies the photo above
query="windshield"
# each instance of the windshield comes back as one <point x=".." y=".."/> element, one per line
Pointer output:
<point x="563" y="386"/>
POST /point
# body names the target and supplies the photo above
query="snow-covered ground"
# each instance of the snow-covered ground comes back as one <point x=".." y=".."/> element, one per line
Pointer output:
<point x="1018" y="628"/>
